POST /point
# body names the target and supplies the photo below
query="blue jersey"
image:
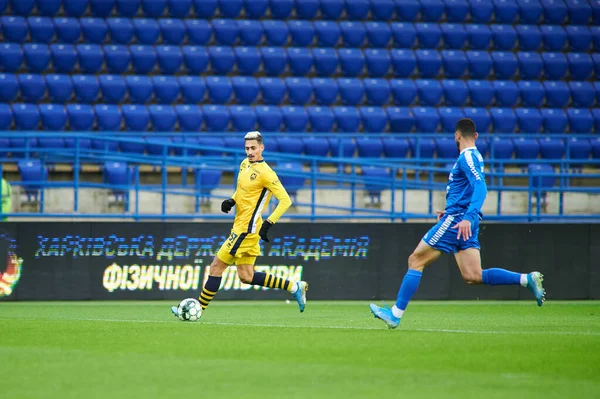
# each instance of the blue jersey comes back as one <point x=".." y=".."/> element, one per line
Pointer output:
<point x="466" y="190"/>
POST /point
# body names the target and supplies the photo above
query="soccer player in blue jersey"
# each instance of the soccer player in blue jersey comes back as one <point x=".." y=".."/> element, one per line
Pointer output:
<point x="456" y="232"/>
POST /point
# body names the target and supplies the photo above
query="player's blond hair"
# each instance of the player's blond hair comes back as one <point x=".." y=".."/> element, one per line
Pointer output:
<point x="254" y="135"/>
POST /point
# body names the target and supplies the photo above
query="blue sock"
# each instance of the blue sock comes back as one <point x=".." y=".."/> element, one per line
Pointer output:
<point x="500" y="277"/>
<point x="408" y="288"/>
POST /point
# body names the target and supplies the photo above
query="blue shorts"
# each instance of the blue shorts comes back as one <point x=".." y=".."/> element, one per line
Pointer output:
<point x="443" y="238"/>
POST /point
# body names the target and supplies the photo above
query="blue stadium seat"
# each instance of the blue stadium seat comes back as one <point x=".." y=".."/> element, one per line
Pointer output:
<point x="530" y="120"/>
<point x="580" y="12"/>
<point x="40" y="28"/>
<point x="14" y="28"/>
<point x="449" y="116"/>
<point x="205" y="9"/>
<point x="54" y="118"/>
<point x="554" y="120"/>
<point x="595" y="143"/>
<point x="530" y="11"/>
<point x="456" y="92"/>
<point x="86" y="88"/>
<point x="557" y="94"/>
<point x="369" y="147"/>
<point x="455" y="36"/>
<point x="299" y="90"/>
<point x="352" y="61"/>
<point x="378" y="62"/>
<point x="326" y="61"/>
<point x="158" y="145"/>
<point x="60" y="88"/>
<point x="555" y="65"/>
<point x="26" y="116"/>
<point x="64" y="57"/>
<point x="217" y="117"/>
<point x="526" y="148"/>
<point x="140" y="88"/>
<point x="505" y="11"/>
<point x="505" y="37"/>
<point x="404" y="34"/>
<point x="48" y="8"/>
<point x="170" y="59"/>
<point x="532" y="93"/>
<point x="404" y="91"/>
<point x="255" y="8"/>
<point x="37" y="57"/>
<point x="352" y="91"/>
<point x="429" y="63"/>
<point x="342" y="147"/>
<point x="504" y="120"/>
<point x="480" y="64"/>
<point x="269" y="118"/>
<point x="481" y="117"/>
<point x="581" y="66"/>
<point x="210" y="141"/>
<point x="81" y="117"/>
<point x="195" y="59"/>
<point x="32" y="171"/>
<point x="117" y="58"/>
<point x="291" y="183"/>
<point x="316" y="146"/>
<point x="276" y="32"/>
<point x="281" y="9"/>
<point x="199" y="32"/>
<point x="243" y="118"/>
<point x="143" y="59"/>
<point x="596" y="59"/>
<point x="578" y="149"/>
<point x="407" y="10"/>
<point x="108" y="117"/>
<point x="555" y="12"/>
<point x="377" y="90"/>
<point x="94" y="30"/>
<point x="421" y="148"/>
<point x="331" y="9"/>
<point x="379" y="34"/>
<point x="382" y="10"/>
<point x="118" y="175"/>
<point x="321" y="120"/>
<point x="505" y="64"/>
<point x="427" y="119"/>
<point x="230" y="8"/>
<point x="481" y="11"/>
<point x="247" y="59"/>
<point x="9" y="87"/>
<point x="455" y="63"/>
<point x="246" y="89"/>
<point x="275" y="59"/>
<point x="401" y="119"/>
<point x="446" y="149"/>
<point x="166" y="89"/>
<point x="75" y="8"/>
<point x="68" y="30"/>
<point x="479" y="36"/>
<point x="290" y="145"/>
<point x="172" y="30"/>
<point x="432" y="10"/>
<point x="530" y="65"/>
<point x="251" y="32"/>
<point x="483" y="147"/>
<point x="294" y="118"/>
<point x="481" y="92"/>
<point x="583" y="94"/>
<point x="347" y="119"/>
<point x="374" y="119"/>
<point x="192" y="89"/>
<point x="302" y="33"/>
<point x="595" y="31"/>
<point x="580" y="120"/>
<point x="136" y="117"/>
<point x="32" y="87"/>
<point x="530" y="37"/>
<point x="506" y="92"/>
<point x="357" y="10"/>
<point x="221" y="59"/>
<point x="403" y="62"/>
<point x="91" y="58"/>
<point x="430" y="91"/>
<point x="163" y="118"/>
<point x="501" y="148"/>
<point x="429" y="35"/>
<point x="555" y="37"/>
<point x="596" y="115"/>
<point x="154" y="8"/>
<point x="180" y="8"/>
<point x="395" y="148"/>
<point x="226" y="31"/>
<point x="552" y="148"/>
<point x="113" y="88"/>
<point x="325" y="90"/>
<point x="456" y="10"/>
<point x="273" y="90"/>
<point x="121" y="30"/>
<point x="579" y="37"/>
<point x="190" y="117"/>
<point x="328" y="34"/>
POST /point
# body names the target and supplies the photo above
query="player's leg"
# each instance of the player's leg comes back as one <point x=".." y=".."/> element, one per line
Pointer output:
<point x="247" y="274"/>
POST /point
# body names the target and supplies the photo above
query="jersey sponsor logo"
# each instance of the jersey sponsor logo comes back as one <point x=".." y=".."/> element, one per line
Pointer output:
<point x="471" y="164"/>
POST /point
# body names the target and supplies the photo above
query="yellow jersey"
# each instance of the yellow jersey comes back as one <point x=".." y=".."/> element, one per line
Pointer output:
<point x="256" y="183"/>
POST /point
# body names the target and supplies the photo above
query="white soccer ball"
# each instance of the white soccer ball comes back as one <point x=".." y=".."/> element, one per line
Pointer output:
<point x="189" y="310"/>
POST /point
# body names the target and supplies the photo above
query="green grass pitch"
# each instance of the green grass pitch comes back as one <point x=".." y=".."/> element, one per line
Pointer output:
<point x="269" y="350"/>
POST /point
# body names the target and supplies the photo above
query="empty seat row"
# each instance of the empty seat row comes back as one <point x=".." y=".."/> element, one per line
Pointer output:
<point x="274" y="61"/>
<point x="162" y="118"/>
<point x="142" y="89"/>
<point x="485" y="11"/>
<point x="228" y="32"/>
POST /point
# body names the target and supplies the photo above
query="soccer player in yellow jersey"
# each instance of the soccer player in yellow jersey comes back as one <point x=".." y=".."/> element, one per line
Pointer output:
<point x="256" y="183"/>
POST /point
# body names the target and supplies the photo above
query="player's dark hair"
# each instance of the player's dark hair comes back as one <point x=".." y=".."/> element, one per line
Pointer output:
<point x="466" y="127"/>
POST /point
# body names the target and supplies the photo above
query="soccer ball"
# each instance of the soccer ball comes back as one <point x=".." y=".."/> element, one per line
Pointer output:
<point x="189" y="310"/>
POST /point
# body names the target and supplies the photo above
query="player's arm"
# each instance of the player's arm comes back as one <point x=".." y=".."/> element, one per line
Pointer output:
<point x="471" y="167"/>
<point x="271" y="182"/>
